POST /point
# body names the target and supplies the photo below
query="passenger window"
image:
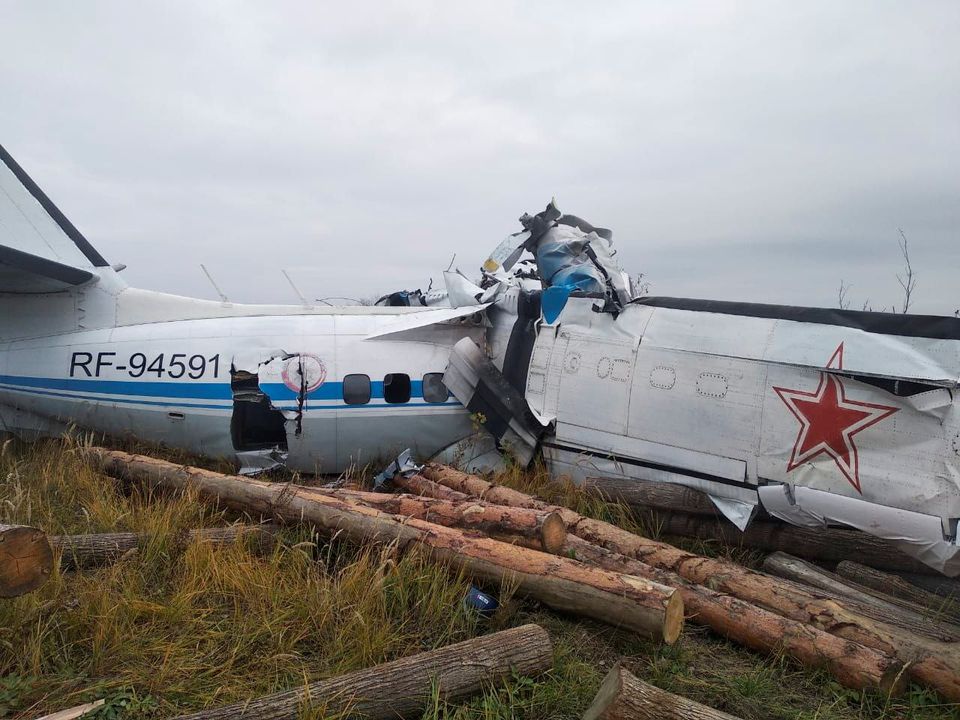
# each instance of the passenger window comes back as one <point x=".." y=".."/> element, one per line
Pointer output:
<point x="356" y="389"/>
<point x="434" y="391"/>
<point x="396" y="388"/>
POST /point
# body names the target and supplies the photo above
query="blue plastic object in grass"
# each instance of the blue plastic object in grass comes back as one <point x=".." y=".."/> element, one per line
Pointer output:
<point x="480" y="601"/>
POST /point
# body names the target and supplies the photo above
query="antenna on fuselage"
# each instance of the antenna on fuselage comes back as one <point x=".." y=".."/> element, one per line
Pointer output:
<point x="295" y="288"/>
<point x="206" y="272"/>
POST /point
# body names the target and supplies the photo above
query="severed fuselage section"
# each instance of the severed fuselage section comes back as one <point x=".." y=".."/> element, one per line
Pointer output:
<point x="819" y="416"/>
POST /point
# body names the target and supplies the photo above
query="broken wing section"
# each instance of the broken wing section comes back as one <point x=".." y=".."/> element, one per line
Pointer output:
<point x="416" y="321"/>
<point x="918" y="535"/>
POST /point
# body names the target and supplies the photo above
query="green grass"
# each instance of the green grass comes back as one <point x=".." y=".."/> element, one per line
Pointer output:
<point x="173" y="628"/>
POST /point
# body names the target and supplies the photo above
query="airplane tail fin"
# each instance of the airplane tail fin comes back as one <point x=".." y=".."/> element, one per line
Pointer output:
<point x="40" y="249"/>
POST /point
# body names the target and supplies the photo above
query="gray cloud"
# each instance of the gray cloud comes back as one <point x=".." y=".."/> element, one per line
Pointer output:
<point x="758" y="151"/>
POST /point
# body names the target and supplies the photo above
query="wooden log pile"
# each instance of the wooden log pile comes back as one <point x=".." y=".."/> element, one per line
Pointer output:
<point x="932" y="662"/>
<point x="638" y="604"/>
<point x="587" y="567"/>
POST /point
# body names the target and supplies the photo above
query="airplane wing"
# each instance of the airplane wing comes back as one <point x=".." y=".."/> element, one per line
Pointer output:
<point x="40" y="249"/>
<point x="428" y="317"/>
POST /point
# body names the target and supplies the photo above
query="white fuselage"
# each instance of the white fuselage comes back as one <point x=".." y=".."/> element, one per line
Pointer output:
<point x="194" y="383"/>
<point x="821" y="423"/>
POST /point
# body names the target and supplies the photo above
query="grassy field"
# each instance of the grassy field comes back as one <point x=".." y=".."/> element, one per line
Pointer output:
<point x="173" y="628"/>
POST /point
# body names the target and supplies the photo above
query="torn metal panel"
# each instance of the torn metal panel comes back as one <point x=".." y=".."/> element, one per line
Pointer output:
<point x="563" y="260"/>
<point x="460" y="291"/>
<point x="288" y="382"/>
<point x="575" y="257"/>
<point x="579" y="462"/>
<point x="916" y="534"/>
<point x="477" y="453"/>
<point x="738" y="512"/>
<point x="402" y="465"/>
<point x="403" y="298"/>
<point x="476" y="382"/>
<point x="506" y="254"/>
<point x="254" y="462"/>
<point x="258" y="427"/>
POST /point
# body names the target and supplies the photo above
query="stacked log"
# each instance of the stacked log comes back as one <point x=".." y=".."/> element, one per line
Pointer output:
<point x="896" y="586"/>
<point x="823" y="544"/>
<point x="937" y="584"/>
<point x="545" y="527"/>
<point x="419" y="485"/>
<point x="601" y="571"/>
<point x="853" y="665"/>
<point x="26" y="559"/>
<point x="404" y="687"/>
<point x="862" y="599"/>
<point x="931" y="662"/>
<point x="651" y="609"/>
<point x="651" y="495"/>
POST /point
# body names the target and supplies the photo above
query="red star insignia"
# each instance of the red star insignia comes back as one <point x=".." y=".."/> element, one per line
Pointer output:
<point x="829" y="421"/>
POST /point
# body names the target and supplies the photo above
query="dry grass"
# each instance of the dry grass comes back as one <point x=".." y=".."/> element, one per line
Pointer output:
<point x="173" y="628"/>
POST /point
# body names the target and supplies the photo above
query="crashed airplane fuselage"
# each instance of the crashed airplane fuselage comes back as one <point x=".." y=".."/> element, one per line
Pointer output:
<point x="819" y="416"/>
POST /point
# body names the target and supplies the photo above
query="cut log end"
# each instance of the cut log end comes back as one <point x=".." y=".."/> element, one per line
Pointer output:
<point x="623" y="696"/>
<point x="673" y="619"/>
<point x="607" y="695"/>
<point x="26" y="559"/>
<point x="553" y="533"/>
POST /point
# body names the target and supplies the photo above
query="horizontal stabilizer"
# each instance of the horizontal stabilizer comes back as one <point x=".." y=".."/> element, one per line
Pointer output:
<point x="40" y="249"/>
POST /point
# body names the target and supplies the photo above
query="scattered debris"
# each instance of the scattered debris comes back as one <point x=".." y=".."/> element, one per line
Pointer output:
<point x="74" y="712"/>
<point x="484" y="603"/>
<point x="403" y="466"/>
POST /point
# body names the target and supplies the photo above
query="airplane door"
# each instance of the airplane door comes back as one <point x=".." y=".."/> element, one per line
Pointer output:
<point x="546" y="368"/>
<point x="594" y="383"/>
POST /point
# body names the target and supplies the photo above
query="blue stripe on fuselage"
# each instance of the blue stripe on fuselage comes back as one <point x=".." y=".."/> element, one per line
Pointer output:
<point x="181" y="390"/>
<point x="168" y="393"/>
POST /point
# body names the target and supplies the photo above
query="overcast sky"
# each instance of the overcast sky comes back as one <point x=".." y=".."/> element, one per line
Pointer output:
<point x="758" y="151"/>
